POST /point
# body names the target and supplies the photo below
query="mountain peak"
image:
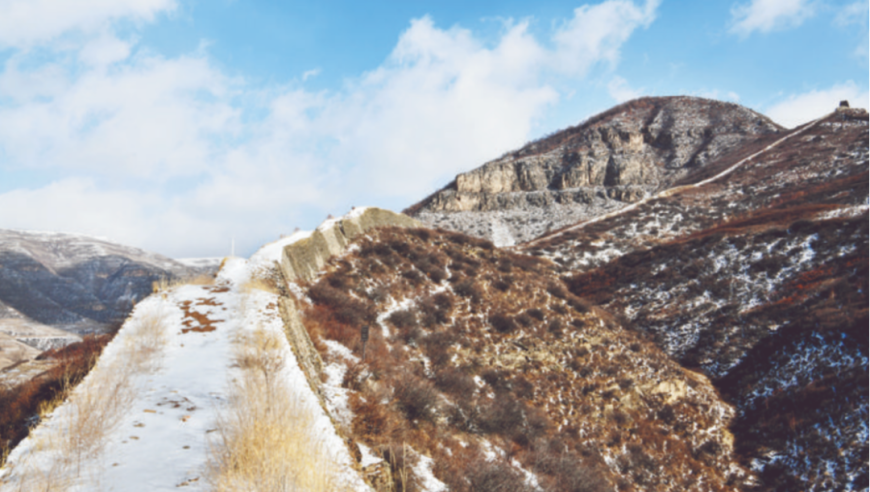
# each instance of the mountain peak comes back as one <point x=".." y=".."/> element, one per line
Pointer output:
<point x="617" y="157"/>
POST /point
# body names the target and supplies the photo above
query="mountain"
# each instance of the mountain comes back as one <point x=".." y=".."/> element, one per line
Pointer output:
<point x="615" y="158"/>
<point x="751" y="268"/>
<point x="55" y="287"/>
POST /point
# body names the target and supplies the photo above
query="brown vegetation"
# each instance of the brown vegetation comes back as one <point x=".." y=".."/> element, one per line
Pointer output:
<point x="472" y="363"/>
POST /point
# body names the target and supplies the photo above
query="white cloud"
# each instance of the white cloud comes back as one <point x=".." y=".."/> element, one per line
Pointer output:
<point x="801" y="108"/>
<point x="151" y="117"/>
<point x="104" y="50"/>
<point x="856" y="14"/>
<point x="768" y="15"/>
<point x="597" y="32"/>
<point x="24" y="23"/>
<point x="621" y="91"/>
<point x="174" y="155"/>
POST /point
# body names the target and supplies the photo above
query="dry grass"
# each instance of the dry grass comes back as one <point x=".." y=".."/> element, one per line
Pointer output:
<point x="266" y="437"/>
<point x="259" y="283"/>
<point x="164" y="284"/>
<point x="77" y="430"/>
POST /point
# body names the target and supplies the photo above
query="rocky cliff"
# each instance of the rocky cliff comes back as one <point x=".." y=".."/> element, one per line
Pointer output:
<point x="612" y="159"/>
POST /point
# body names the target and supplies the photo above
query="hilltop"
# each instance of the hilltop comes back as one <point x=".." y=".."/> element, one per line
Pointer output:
<point x="615" y="158"/>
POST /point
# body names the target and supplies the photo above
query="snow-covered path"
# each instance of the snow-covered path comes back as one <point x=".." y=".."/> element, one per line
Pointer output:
<point x="166" y="423"/>
<point x="162" y="442"/>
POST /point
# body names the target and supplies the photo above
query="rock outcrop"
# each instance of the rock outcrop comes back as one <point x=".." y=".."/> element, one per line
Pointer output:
<point x="612" y="159"/>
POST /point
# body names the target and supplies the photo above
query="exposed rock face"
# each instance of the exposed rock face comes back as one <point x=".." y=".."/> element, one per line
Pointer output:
<point x="615" y="158"/>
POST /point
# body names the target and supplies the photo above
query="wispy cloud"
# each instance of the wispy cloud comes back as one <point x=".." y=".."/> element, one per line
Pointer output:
<point x="856" y="13"/>
<point x="25" y="23"/>
<point x="801" y="108"/>
<point x="621" y="91"/>
<point x="175" y="155"/>
<point x="769" y="15"/>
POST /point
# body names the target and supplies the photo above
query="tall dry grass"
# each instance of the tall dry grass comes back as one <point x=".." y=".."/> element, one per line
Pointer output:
<point x="78" y="428"/>
<point x="266" y="436"/>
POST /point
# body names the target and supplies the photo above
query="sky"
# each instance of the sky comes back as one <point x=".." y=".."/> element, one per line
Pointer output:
<point x="187" y="126"/>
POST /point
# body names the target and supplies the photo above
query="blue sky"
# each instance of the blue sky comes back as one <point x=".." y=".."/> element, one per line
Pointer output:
<point x="179" y="125"/>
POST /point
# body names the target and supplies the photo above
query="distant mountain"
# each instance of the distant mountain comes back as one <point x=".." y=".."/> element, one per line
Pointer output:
<point x="615" y="158"/>
<point x="54" y="286"/>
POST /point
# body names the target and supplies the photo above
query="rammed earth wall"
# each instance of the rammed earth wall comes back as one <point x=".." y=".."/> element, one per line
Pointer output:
<point x="304" y="258"/>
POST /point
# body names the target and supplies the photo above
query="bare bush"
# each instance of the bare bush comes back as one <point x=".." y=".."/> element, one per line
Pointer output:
<point x="415" y="397"/>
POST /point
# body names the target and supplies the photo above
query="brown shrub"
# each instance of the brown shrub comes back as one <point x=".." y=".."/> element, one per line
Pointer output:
<point x="405" y="318"/>
<point x="455" y="381"/>
<point x="414" y="396"/>
<point x="21" y="404"/>
<point x="467" y="288"/>
<point x="481" y="475"/>
<point x="437" y="346"/>
<point x="536" y="313"/>
<point x="556" y="328"/>
<point x="502" y="323"/>
<point x="344" y="308"/>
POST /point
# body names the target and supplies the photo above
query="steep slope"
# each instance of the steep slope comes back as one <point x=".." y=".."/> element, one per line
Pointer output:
<point x="758" y="278"/>
<point x="615" y="158"/>
<point x="478" y="365"/>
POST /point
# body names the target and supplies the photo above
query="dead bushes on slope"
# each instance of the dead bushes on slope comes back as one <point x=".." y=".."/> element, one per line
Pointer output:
<point x="23" y="404"/>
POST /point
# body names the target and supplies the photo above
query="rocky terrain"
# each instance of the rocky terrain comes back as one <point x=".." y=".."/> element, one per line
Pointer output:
<point x="758" y="278"/>
<point x="618" y="157"/>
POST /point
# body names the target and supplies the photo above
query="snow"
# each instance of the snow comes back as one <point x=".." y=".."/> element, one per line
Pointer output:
<point x="266" y="256"/>
<point x="162" y="437"/>
<point x="423" y="472"/>
<point x="368" y="457"/>
<point x="501" y="234"/>
<point x="357" y="212"/>
<point x="201" y="262"/>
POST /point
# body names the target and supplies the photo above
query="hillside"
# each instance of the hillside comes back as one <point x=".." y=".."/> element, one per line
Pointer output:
<point x="615" y="158"/>
<point x="704" y="329"/>
<point x="480" y="361"/>
<point x="758" y="278"/>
